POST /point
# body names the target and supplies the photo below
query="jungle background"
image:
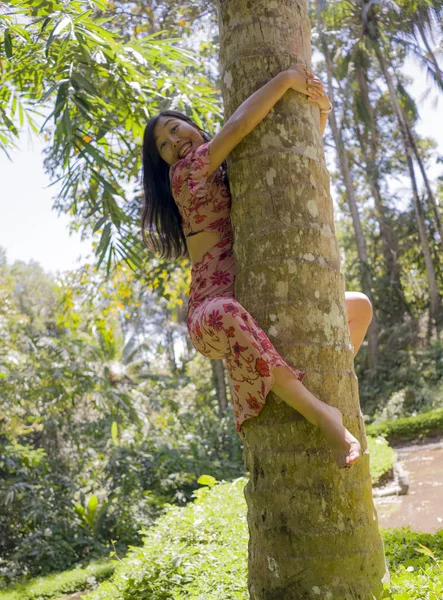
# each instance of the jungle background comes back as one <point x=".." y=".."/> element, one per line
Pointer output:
<point x="108" y="415"/>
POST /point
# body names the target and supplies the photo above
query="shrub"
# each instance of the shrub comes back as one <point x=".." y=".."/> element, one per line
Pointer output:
<point x="383" y="458"/>
<point x="52" y="586"/>
<point x="409" y="428"/>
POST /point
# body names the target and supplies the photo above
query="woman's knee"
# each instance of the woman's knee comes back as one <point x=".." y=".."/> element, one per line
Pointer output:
<point x="359" y="306"/>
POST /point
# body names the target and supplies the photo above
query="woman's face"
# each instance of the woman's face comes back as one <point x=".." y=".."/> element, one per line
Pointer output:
<point x="175" y="138"/>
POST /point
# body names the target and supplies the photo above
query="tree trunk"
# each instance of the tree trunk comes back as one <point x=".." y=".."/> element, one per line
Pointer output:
<point x="435" y="300"/>
<point x="313" y="528"/>
<point x="431" y="197"/>
<point x="218" y="376"/>
<point x="388" y="237"/>
<point x="365" y="268"/>
<point x="170" y="351"/>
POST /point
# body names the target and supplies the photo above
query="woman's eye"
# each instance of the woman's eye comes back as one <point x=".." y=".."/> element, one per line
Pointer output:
<point x="175" y="127"/>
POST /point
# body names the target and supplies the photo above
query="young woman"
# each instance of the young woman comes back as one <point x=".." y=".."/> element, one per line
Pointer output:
<point x="187" y="212"/>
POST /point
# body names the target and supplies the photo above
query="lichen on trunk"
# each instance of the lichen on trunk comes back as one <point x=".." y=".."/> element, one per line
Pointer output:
<point x="313" y="529"/>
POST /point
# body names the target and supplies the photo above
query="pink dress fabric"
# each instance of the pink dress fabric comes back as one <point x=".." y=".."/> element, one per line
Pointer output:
<point x="218" y="325"/>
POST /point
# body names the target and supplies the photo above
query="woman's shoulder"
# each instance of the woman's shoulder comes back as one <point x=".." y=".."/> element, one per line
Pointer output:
<point x="193" y="170"/>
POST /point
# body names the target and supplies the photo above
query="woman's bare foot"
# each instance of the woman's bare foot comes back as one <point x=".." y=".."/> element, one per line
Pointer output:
<point x="344" y="446"/>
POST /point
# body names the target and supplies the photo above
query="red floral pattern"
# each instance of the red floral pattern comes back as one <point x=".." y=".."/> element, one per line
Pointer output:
<point x="203" y="200"/>
<point x="218" y="325"/>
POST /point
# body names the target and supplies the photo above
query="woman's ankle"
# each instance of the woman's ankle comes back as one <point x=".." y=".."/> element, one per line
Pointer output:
<point x="329" y="416"/>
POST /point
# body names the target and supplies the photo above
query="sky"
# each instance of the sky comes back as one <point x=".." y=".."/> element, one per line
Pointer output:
<point x="30" y="229"/>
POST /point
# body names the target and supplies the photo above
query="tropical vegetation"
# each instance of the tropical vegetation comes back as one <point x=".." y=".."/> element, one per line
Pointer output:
<point x="108" y="417"/>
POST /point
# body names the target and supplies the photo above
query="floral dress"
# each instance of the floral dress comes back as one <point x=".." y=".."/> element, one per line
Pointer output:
<point x="218" y="324"/>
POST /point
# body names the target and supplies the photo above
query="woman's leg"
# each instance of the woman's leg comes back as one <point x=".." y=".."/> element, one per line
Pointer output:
<point x="359" y="317"/>
<point x="344" y="446"/>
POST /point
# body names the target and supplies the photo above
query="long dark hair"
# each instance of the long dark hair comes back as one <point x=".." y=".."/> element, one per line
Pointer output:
<point x="160" y="220"/>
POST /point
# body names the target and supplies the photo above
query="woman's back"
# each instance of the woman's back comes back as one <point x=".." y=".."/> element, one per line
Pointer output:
<point x="203" y="201"/>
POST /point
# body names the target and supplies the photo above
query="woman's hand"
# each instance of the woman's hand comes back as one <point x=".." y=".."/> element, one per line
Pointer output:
<point x="305" y="82"/>
<point x="323" y="103"/>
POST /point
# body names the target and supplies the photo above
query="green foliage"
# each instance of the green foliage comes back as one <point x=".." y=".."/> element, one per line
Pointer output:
<point x="98" y="431"/>
<point x="404" y="547"/>
<point x="409" y="428"/>
<point x="424" y="583"/>
<point x="53" y="586"/>
<point x="416" y="561"/>
<point x="75" y="457"/>
<point x="97" y="89"/>
<point x="383" y="457"/>
<point x="405" y="365"/>
<point x="200" y="551"/>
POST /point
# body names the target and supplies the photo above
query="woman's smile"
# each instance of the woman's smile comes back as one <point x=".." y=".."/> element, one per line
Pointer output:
<point x="185" y="148"/>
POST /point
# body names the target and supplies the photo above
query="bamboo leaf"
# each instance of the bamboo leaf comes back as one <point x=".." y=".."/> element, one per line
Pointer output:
<point x="102" y="256"/>
<point x="14" y="105"/>
<point x="108" y="186"/>
<point x="20" y="114"/>
<point x="8" y="43"/>
<point x="61" y="26"/>
<point x="104" y="243"/>
<point x="108" y="264"/>
<point x="52" y="89"/>
<point x="82" y="82"/>
<point x="9" y="123"/>
<point x="67" y="123"/>
<point x="60" y="100"/>
<point x="99" y="223"/>
<point x="45" y="24"/>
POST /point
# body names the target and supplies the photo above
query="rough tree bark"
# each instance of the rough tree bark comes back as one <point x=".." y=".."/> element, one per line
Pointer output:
<point x="313" y="528"/>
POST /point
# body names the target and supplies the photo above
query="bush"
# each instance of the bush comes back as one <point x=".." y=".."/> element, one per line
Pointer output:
<point x="409" y="428"/>
<point x="199" y="551"/>
<point x="404" y="547"/>
<point x="131" y="477"/>
<point x="383" y="458"/>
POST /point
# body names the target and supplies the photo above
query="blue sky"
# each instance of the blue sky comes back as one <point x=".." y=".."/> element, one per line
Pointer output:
<point x="30" y="229"/>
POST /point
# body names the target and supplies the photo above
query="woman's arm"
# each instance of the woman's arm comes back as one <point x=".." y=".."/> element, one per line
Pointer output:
<point x="257" y="106"/>
<point x="324" y="104"/>
<point x="253" y="110"/>
<point x="323" y="121"/>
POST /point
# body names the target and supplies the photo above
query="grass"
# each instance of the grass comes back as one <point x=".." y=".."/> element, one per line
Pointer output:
<point x="383" y="458"/>
<point x="197" y="552"/>
<point x="57" y="584"/>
